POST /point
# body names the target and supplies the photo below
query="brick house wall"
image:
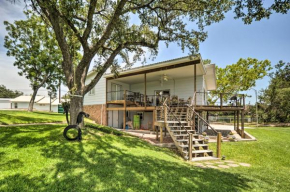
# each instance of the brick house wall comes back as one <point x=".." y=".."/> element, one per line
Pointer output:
<point x="98" y="113"/>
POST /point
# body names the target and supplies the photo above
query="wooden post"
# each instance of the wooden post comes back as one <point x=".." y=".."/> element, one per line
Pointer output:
<point x="145" y="93"/>
<point x="125" y="106"/>
<point x="219" y="143"/>
<point x="190" y="147"/>
<point x="244" y="101"/>
<point x="242" y="124"/>
<point x="161" y="134"/>
<point x="154" y="119"/>
<point x="193" y="122"/>
<point x="235" y="128"/>
<point x="221" y="100"/>
<point x="195" y="85"/>
<point x="157" y="129"/>
<point x="238" y="122"/>
<point x="207" y="115"/>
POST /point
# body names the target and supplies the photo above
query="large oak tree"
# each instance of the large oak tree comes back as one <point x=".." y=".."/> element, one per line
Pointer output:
<point x="109" y="29"/>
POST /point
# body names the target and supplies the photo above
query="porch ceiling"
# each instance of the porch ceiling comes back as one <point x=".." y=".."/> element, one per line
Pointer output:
<point x="176" y="73"/>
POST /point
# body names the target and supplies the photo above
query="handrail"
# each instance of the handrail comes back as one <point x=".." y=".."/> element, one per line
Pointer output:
<point x="169" y="110"/>
<point x="190" y="107"/>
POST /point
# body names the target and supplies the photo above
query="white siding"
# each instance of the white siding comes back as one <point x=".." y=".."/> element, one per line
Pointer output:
<point x="45" y="107"/>
<point x="21" y="105"/>
<point x="100" y="93"/>
<point x="5" y="104"/>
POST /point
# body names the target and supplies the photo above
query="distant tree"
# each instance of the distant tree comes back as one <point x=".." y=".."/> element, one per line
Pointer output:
<point x="7" y="93"/>
<point x="104" y="29"/>
<point x="239" y="76"/>
<point x="274" y="100"/>
<point x="36" y="52"/>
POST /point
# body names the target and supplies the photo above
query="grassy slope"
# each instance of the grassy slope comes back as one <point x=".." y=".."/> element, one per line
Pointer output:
<point x="37" y="158"/>
<point x="8" y="117"/>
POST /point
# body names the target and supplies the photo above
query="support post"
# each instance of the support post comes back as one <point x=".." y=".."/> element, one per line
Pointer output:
<point x="190" y="147"/>
<point x="125" y="106"/>
<point x="157" y="130"/>
<point x="161" y="134"/>
<point x="219" y="143"/>
<point x="235" y="128"/>
<point x="221" y="100"/>
<point x="145" y="93"/>
<point x="195" y="85"/>
<point x="242" y="124"/>
<point x="154" y="119"/>
<point x="238" y="122"/>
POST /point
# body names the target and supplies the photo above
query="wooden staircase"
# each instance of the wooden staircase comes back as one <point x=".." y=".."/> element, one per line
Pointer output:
<point x="178" y="126"/>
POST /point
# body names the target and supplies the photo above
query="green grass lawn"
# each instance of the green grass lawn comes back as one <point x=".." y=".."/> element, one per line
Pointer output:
<point x="8" y="117"/>
<point x="38" y="158"/>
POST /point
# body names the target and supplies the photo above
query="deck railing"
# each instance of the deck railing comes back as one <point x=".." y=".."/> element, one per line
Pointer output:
<point x="220" y="100"/>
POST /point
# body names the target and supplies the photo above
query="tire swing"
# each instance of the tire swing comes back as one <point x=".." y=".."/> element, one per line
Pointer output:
<point x="75" y="127"/>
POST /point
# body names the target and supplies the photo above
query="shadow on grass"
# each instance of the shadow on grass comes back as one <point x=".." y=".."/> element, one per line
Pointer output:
<point x="11" y="119"/>
<point x="107" y="163"/>
<point x="33" y="135"/>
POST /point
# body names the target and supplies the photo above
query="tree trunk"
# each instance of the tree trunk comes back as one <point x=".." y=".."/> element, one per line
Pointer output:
<point x="30" y="108"/>
<point x="76" y="106"/>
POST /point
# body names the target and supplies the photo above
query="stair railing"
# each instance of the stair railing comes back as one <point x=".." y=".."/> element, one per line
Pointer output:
<point x="190" y="136"/>
<point x="219" y="135"/>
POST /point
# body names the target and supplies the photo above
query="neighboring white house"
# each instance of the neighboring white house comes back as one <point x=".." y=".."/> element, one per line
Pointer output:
<point x="41" y="103"/>
<point x="44" y="104"/>
<point x="5" y="103"/>
<point x="113" y="101"/>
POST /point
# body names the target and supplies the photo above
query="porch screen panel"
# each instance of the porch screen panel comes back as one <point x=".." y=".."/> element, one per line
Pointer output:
<point x="116" y="92"/>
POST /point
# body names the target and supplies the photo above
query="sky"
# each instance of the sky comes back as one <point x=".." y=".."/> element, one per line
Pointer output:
<point x="227" y="42"/>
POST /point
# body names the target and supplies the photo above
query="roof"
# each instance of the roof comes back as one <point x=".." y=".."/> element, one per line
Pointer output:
<point x="38" y="100"/>
<point x="153" y="65"/>
<point x="26" y="99"/>
<point x="4" y="99"/>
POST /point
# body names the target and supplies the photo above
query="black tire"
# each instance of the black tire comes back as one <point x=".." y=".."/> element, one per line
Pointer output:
<point x="78" y="137"/>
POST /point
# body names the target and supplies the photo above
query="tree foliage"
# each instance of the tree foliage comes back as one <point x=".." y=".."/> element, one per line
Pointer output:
<point x="36" y="52"/>
<point x="110" y="30"/>
<point x="239" y="76"/>
<point x="274" y="100"/>
<point x="242" y="75"/>
<point x="7" y="93"/>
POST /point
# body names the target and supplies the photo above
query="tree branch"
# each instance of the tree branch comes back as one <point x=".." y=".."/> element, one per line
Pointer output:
<point x="110" y="27"/>
<point x="89" y="27"/>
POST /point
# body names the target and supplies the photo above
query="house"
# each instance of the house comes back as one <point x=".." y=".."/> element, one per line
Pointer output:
<point x="41" y="103"/>
<point x="166" y="96"/>
<point x="22" y="102"/>
<point x="5" y="103"/>
<point x="44" y="104"/>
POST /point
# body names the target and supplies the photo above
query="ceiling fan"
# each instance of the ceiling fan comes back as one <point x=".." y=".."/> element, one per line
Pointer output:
<point x="163" y="78"/>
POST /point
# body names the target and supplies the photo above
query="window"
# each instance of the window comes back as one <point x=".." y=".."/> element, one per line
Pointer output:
<point x="92" y="91"/>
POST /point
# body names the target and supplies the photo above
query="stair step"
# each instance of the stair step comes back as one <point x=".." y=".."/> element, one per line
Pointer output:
<point x="182" y="140"/>
<point x="199" y="145"/>
<point x="179" y="126"/>
<point x="180" y="130"/>
<point x="199" y="151"/>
